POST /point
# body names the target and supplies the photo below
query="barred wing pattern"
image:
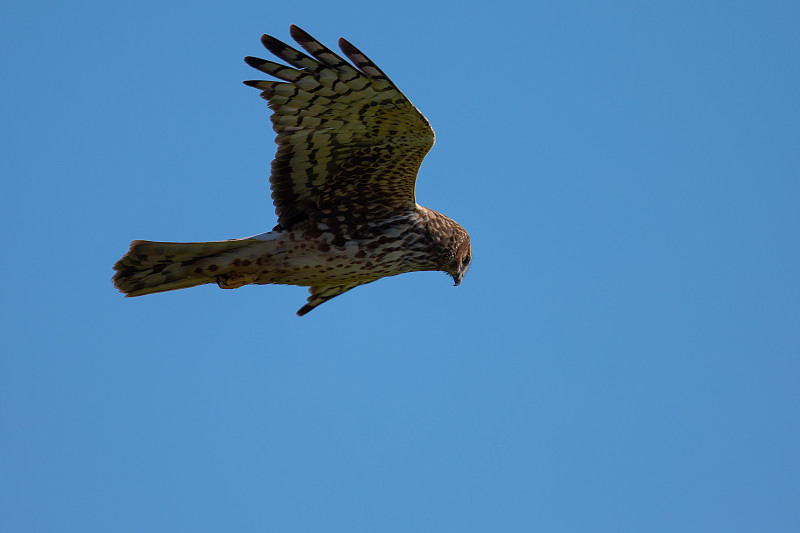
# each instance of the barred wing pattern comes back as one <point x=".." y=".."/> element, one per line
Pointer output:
<point x="346" y="136"/>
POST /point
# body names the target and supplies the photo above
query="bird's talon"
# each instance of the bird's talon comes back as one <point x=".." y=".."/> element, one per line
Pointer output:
<point x="235" y="280"/>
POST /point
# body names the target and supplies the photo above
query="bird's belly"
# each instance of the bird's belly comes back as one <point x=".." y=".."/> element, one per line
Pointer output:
<point x="299" y="258"/>
<point x="309" y="265"/>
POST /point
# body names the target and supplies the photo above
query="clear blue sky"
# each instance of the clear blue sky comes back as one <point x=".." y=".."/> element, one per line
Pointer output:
<point x="623" y="356"/>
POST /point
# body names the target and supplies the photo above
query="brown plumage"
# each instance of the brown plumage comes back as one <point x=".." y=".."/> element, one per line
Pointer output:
<point x="350" y="145"/>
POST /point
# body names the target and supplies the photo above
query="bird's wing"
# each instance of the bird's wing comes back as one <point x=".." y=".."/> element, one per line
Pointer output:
<point x="322" y="293"/>
<point x="346" y="135"/>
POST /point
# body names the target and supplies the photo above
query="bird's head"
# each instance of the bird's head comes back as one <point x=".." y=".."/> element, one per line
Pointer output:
<point x="461" y="261"/>
<point x="449" y="244"/>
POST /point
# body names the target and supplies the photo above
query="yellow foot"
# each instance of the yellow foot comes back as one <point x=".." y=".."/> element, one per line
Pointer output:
<point x="234" y="280"/>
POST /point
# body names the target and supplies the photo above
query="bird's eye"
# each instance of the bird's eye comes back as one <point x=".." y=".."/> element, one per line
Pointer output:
<point x="467" y="259"/>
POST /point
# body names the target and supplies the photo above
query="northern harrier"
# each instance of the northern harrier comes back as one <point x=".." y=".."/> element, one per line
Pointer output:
<point x="349" y="148"/>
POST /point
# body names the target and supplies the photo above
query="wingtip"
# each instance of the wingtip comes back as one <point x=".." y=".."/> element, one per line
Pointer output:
<point x="344" y="43"/>
<point x="272" y="44"/>
<point x="299" y="34"/>
<point x="349" y="48"/>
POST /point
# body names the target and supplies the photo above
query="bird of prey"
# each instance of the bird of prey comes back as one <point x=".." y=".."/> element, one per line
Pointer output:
<point x="350" y="145"/>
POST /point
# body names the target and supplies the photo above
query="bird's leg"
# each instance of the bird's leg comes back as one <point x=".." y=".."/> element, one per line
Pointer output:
<point x="234" y="280"/>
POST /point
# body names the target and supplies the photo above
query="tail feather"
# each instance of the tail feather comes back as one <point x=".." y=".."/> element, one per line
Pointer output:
<point x="151" y="267"/>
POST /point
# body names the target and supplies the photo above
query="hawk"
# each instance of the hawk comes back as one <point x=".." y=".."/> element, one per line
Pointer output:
<point x="350" y="145"/>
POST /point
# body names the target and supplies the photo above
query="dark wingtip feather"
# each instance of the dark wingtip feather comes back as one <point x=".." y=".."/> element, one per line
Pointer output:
<point x="276" y="46"/>
<point x="253" y="61"/>
<point x="361" y="61"/>
<point x="298" y="34"/>
<point x="345" y="45"/>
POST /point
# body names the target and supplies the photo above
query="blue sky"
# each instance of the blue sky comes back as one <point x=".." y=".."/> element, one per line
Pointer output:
<point x="622" y="355"/>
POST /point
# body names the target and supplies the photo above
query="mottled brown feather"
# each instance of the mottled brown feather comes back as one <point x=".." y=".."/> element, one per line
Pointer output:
<point x="344" y="134"/>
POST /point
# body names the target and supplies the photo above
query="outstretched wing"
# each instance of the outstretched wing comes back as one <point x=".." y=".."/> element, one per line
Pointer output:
<point x="346" y="136"/>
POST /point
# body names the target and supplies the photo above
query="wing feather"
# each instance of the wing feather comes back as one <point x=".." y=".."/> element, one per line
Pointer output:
<point x="345" y="133"/>
<point x="321" y="294"/>
<point x="362" y="62"/>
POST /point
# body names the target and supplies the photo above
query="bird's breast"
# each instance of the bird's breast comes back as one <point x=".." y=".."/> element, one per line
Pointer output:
<point x="325" y="254"/>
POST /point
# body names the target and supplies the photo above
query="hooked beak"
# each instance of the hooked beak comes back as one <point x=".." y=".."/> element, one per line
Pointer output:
<point x="457" y="279"/>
